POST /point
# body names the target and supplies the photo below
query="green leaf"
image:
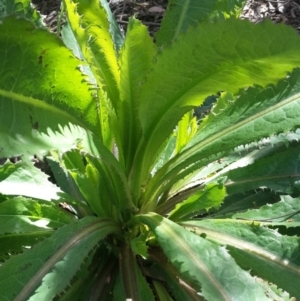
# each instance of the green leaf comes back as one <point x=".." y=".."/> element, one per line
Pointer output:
<point x="20" y="232"/>
<point x="269" y="254"/>
<point x="180" y="15"/>
<point x="24" y="179"/>
<point x="185" y="131"/>
<point x="236" y="121"/>
<point x="114" y="28"/>
<point x="48" y="86"/>
<point x="134" y="283"/>
<point x="48" y="93"/>
<point x="135" y="62"/>
<point x="64" y="180"/>
<point x="164" y="270"/>
<point x="139" y="246"/>
<point x="34" y="208"/>
<point x="288" y="209"/>
<point x="209" y="197"/>
<point x="215" y="271"/>
<point x="278" y="172"/>
<point x="241" y="202"/>
<point x="89" y="23"/>
<point x="21" y="8"/>
<point x="227" y="68"/>
<point x="60" y="255"/>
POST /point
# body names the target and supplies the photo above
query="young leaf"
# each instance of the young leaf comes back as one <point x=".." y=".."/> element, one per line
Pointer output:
<point x="89" y="23"/>
<point x="210" y="197"/>
<point x="134" y="62"/>
<point x="219" y="277"/>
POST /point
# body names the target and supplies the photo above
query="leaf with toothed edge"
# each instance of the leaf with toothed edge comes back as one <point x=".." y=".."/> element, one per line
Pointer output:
<point x="251" y="116"/>
<point x="214" y="272"/>
<point x="53" y="262"/>
<point x="266" y="252"/>
<point x="226" y="68"/>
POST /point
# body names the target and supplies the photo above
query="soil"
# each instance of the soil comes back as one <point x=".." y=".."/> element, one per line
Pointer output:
<point x="151" y="12"/>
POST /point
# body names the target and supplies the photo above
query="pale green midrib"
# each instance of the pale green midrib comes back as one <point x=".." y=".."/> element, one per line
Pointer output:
<point x="181" y="19"/>
<point x="263" y="178"/>
<point x="60" y="253"/>
<point x="169" y="232"/>
<point x="40" y="104"/>
<point x="223" y="238"/>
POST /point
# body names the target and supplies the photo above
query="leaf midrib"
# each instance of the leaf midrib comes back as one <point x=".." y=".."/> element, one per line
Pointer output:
<point x="226" y="239"/>
<point x="36" y="103"/>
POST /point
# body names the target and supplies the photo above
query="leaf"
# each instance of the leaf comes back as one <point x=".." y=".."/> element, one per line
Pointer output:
<point x="189" y="76"/>
<point x="89" y="23"/>
<point x="48" y="93"/>
<point x="269" y="254"/>
<point x="24" y="179"/>
<point x="60" y="255"/>
<point x="278" y="172"/>
<point x="214" y="271"/>
<point x="135" y="61"/>
<point x="64" y="180"/>
<point x="114" y="28"/>
<point x="134" y="283"/>
<point x="32" y="52"/>
<point x="204" y="199"/>
<point x="180" y="289"/>
<point x="235" y="121"/>
<point x="34" y="208"/>
<point x="180" y="15"/>
<point x="20" y="232"/>
<point x="241" y="202"/>
<point x="287" y="209"/>
<point x="21" y="8"/>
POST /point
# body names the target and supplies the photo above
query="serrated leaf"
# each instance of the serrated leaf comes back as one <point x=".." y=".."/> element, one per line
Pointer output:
<point x="209" y="197"/>
<point x="89" y="23"/>
<point x="180" y="15"/>
<point x="278" y="172"/>
<point x="235" y="121"/>
<point x="215" y="271"/>
<point x="62" y="254"/>
<point x="36" y="208"/>
<point x="134" y="62"/>
<point x="24" y="179"/>
<point x="139" y="246"/>
<point x="21" y="8"/>
<point x="269" y="254"/>
<point x="18" y="232"/>
<point x="43" y="80"/>
<point x="226" y="68"/>
<point x="288" y="209"/>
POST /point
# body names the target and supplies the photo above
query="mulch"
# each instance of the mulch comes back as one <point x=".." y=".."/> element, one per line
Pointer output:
<point x="279" y="11"/>
<point x="151" y="12"/>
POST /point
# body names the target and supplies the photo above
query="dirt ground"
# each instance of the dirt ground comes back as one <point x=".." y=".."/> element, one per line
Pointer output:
<point x="151" y="12"/>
